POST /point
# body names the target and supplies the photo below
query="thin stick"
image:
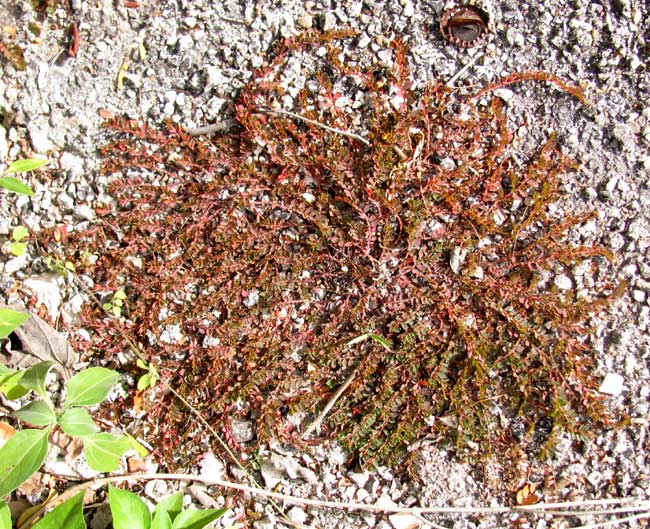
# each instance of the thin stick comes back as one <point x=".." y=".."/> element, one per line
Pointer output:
<point x="330" y="403"/>
<point x="316" y="123"/>
<point x="615" y="521"/>
<point x="219" y="126"/>
<point x="341" y="505"/>
<point x="464" y="69"/>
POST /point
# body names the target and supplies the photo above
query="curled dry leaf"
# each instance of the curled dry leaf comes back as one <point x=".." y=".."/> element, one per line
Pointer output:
<point x="41" y="342"/>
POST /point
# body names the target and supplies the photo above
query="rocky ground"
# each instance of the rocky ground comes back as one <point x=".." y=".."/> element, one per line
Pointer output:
<point x="185" y="60"/>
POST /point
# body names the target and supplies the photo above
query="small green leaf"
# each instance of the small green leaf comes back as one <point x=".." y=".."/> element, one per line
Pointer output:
<point x="22" y="166"/>
<point x="144" y="382"/>
<point x="10" y="320"/>
<point x="21" y="456"/>
<point x="11" y="386"/>
<point x="103" y="450"/>
<point x="117" y="311"/>
<point x="12" y="184"/>
<point x="77" y="422"/>
<point x="70" y="267"/>
<point x="90" y="386"/>
<point x="5" y="516"/>
<point x="19" y="233"/>
<point x="141" y="364"/>
<point x="107" y="306"/>
<point x="34" y="378"/>
<point x="18" y="248"/>
<point x="197" y="518"/>
<point x="68" y="515"/>
<point x="37" y="413"/>
<point x="129" y="511"/>
<point x="172" y="504"/>
<point x="161" y="520"/>
<point x="119" y="295"/>
<point x="141" y="450"/>
<point x="382" y="341"/>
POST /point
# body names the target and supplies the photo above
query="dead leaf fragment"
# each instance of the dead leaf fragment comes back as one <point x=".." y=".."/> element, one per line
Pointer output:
<point x="526" y="495"/>
<point x="6" y="432"/>
<point x="14" y="54"/>
<point x="41" y="342"/>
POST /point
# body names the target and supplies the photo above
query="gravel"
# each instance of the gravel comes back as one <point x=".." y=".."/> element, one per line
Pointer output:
<point x="185" y="60"/>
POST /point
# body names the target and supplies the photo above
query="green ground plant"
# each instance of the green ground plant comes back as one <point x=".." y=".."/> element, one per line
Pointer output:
<point x="251" y="260"/>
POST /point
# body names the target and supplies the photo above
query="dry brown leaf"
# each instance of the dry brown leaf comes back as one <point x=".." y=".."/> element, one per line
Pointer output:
<point x="14" y="54"/>
<point x="9" y="30"/>
<point x="526" y="494"/>
<point x="42" y="342"/>
<point x="105" y="113"/>
<point x="6" y="432"/>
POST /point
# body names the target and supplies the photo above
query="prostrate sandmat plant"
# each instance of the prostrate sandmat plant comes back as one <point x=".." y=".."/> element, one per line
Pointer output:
<point x="252" y="261"/>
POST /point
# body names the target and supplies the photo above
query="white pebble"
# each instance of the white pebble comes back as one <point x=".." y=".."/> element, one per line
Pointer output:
<point x="612" y="384"/>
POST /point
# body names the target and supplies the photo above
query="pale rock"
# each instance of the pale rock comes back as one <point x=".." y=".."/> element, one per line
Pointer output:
<point x="84" y="212"/>
<point x="65" y="201"/>
<point x="71" y="309"/>
<point x="456" y="259"/>
<point x="385" y="56"/>
<point x="329" y="21"/>
<point x="271" y="475"/>
<point x="297" y="515"/>
<point x="72" y="163"/>
<point x="612" y="384"/>
<point x="40" y="141"/>
<point x="15" y="264"/>
<point x="404" y="521"/>
<point x="211" y="467"/>
<point x="242" y="431"/>
<point x="305" y="21"/>
<point x="409" y="10"/>
<point x="563" y="282"/>
<point x="47" y="291"/>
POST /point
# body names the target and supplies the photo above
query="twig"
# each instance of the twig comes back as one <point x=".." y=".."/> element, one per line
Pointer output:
<point x="220" y="126"/>
<point x="330" y="403"/>
<point x="464" y="69"/>
<point x="616" y="521"/>
<point x="315" y="123"/>
<point x="347" y="506"/>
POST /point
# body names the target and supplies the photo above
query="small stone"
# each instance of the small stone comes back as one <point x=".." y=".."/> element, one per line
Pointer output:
<point x="456" y="259"/>
<point x="305" y="21"/>
<point x="84" y="211"/>
<point x="360" y="478"/>
<point x="409" y="10"/>
<point x="190" y="22"/>
<point x="15" y="264"/>
<point x="475" y="272"/>
<point x="638" y="295"/>
<point x="211" y="467"/>
<point x="404" y="521"/>
<point x="185" y="43"/>
<point x="504" y="94"/>
<point x="385" y="57"/>
<point x="612" y="384"/>
<point x="65" y="201"/>
<point x="271" y="475"/>
<point x="328" y="21"/>
<point x="309" y="198"/>
<point x="40" y="141"/>
<point x="242" y="431"/>
<point x="46" y="289"/>
<point x="298" y="515"/>
<point x="71" y="162"/>
<point x="563" y="282"/>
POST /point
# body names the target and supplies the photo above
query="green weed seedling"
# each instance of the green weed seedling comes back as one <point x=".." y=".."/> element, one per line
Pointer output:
<point x="115" y="305"/>
<point x="24" y="453"/>
<point x="150" y="378"/>
<point x="128" y="511"/>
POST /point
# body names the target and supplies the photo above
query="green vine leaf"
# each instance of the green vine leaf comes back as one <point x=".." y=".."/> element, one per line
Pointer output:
<point x="10" y="320"/>
<point x="77" y="422"/>
<point x="90" y="386"/>
<point x="68" y="515"/>
<point x="129" y="511"/>
<point x="21" y="456"/>
<point x="104" y="450"/>
<point x="37" y="413"/>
